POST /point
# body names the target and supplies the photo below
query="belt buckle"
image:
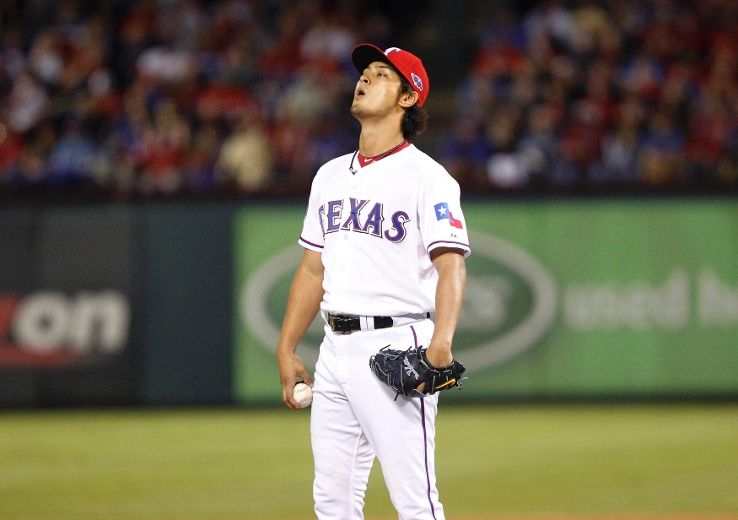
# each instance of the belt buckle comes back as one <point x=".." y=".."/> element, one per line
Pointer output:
<point x="335" y="323"/>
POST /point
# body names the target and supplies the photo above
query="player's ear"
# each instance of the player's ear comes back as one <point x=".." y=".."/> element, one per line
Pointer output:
<point x="408" y="99"/>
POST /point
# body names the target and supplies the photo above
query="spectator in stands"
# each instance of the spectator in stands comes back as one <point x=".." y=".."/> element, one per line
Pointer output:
<point x="620" y="165"/>
<point x="504" y="168"/>
<point x="71" y="157"/>
<point x="537" y="146"/>
<point x="245" y="157"/>
<point x="26" y="104"/>
<point x="162" y="153"/>
<point x="11" y="148"/>
<point x="662" y="153"/>
<point x="465" y="153"/>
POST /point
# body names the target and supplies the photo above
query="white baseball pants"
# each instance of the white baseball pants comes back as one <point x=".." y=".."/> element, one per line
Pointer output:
<point x="355" y="417"/>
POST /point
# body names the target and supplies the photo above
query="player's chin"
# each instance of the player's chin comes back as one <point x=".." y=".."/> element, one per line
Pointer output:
<point x="356" y="109"/>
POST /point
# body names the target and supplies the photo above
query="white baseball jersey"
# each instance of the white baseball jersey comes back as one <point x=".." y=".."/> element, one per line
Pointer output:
<point x="375" y="228"/>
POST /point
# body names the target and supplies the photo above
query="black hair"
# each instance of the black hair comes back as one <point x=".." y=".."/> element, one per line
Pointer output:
<point x="415" y="119"/>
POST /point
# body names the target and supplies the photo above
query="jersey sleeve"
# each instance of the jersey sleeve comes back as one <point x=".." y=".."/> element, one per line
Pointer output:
<point x="442" y="222"/>
<point x="312" y="236"/>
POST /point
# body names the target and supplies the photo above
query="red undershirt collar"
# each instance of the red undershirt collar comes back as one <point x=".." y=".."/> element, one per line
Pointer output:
<point x="363" y="160"/>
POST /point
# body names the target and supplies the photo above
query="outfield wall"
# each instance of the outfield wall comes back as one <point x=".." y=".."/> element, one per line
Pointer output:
<point x="180" y="303"/>
<point x="116" y="304"/>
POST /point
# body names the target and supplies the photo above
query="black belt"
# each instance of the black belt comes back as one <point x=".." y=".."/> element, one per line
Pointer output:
<point x="346" y="324"/>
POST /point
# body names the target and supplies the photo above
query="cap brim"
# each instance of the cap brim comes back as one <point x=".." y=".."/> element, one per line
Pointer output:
<point x="366" y="53"/>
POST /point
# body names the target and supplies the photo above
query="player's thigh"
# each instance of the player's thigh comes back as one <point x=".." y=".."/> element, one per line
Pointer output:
<point x="342" y="455"/>
<point x="336" y="435"/>
<point x="396" y="426"/>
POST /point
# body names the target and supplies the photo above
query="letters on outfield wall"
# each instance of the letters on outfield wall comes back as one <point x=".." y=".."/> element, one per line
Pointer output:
<point x="65" y="307"/>
<point x="595" y="298"/>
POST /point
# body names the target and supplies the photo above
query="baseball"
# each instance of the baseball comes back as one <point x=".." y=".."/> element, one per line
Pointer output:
<point x="303" y="394"/>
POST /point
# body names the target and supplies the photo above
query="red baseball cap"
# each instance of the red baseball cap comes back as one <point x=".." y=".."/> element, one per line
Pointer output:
<point x="407" y="64"/>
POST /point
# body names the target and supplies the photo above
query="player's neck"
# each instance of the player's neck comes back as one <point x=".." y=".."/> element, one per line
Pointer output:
<point x="378" y="138"/>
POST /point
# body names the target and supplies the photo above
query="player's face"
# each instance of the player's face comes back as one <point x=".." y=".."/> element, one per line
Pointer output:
<point x="376" y="92"/>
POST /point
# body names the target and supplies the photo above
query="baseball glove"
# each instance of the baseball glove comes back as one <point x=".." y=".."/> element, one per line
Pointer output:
<point x="404" y="370"/>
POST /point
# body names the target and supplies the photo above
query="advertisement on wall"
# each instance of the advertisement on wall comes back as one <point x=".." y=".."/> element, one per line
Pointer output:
<point x="564" y="299"/>
<point x="66" y="280"/>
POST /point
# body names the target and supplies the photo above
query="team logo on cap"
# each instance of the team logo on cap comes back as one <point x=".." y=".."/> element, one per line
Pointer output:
<point x="418" y="82"/>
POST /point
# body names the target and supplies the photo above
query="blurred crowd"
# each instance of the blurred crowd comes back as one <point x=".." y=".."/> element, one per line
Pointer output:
<point x="627" y="94"/>
<point x="164" y="97"/>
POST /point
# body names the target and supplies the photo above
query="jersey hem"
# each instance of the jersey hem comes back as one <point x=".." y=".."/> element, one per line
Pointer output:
<point x="309" y="245"/>
<point x="449" y="243"/>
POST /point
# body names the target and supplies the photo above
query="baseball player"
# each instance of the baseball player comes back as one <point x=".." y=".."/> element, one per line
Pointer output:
<point x="385" y="243"/>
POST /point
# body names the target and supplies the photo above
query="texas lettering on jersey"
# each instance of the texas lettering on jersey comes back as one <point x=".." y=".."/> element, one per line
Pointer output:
<point x="362" y="216"/>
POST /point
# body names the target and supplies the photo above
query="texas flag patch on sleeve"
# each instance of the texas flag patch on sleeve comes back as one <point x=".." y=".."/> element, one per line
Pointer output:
<point x="443" y="213"/>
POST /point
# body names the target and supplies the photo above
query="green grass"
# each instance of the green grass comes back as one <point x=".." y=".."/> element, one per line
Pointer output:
<point x="250" y="465"/>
